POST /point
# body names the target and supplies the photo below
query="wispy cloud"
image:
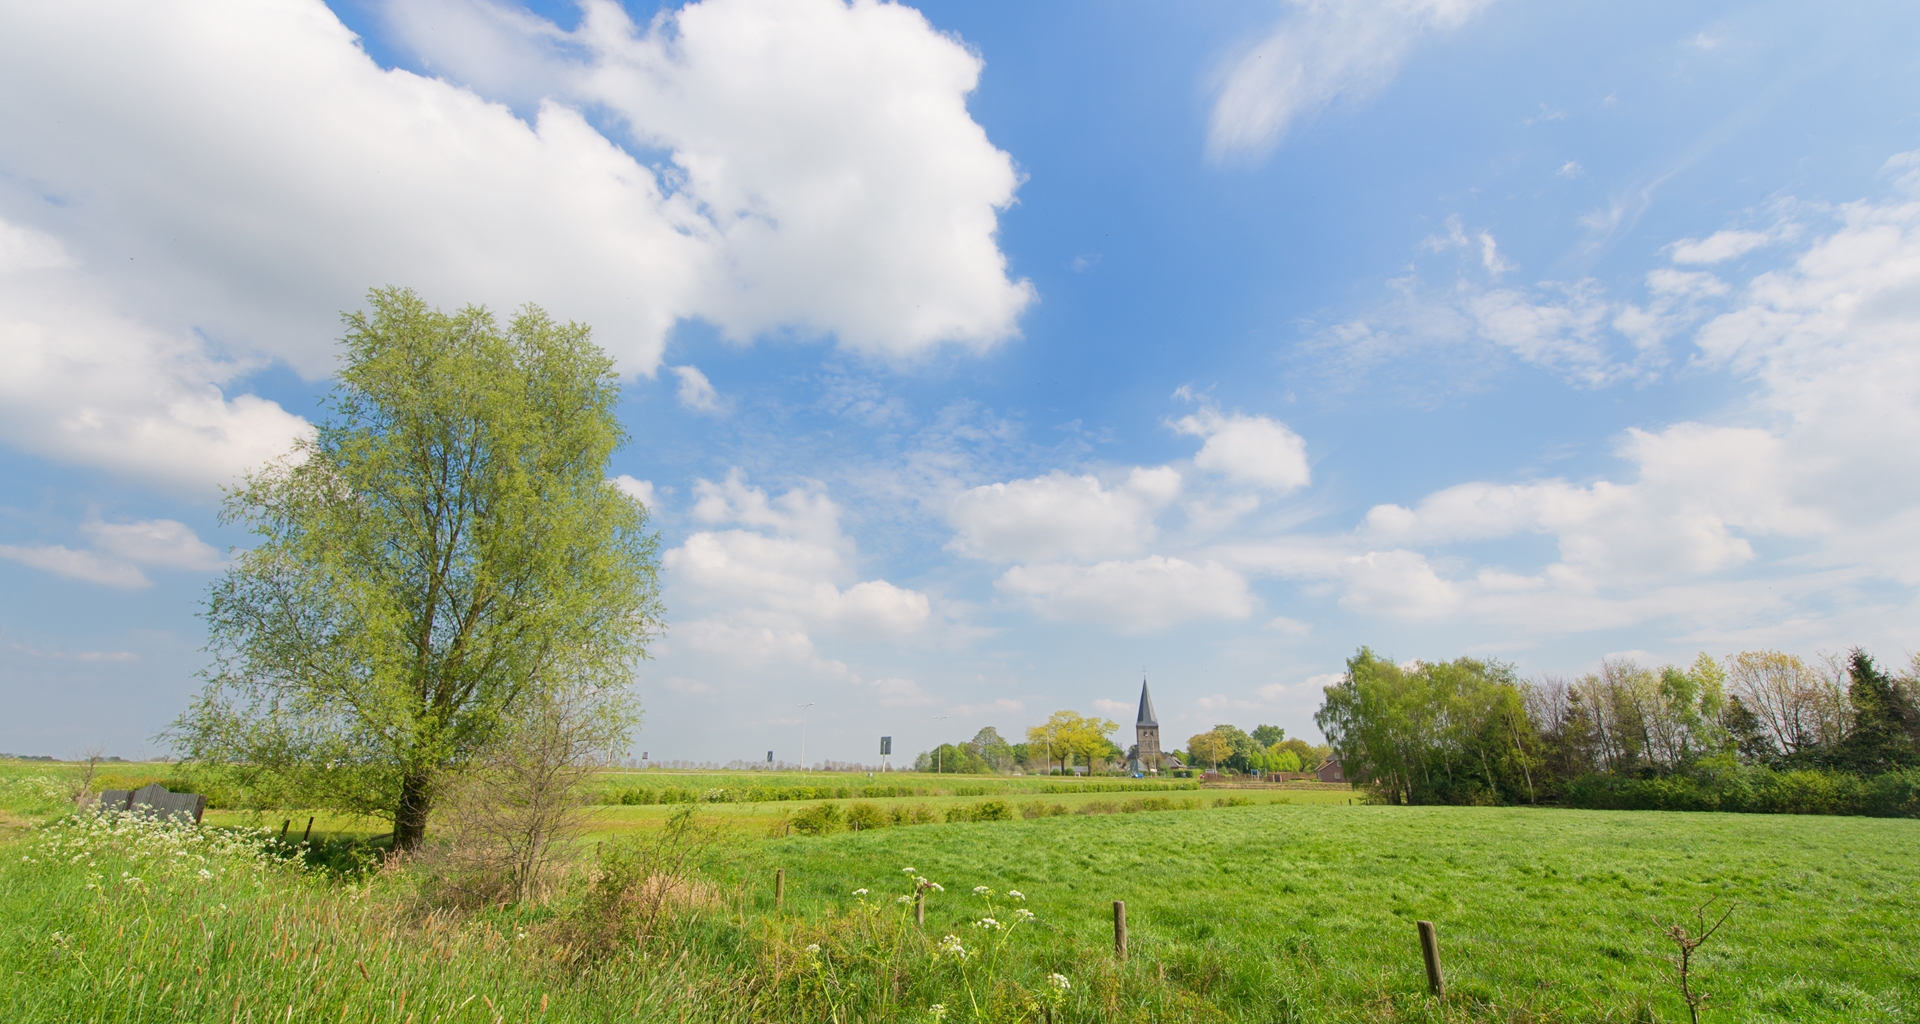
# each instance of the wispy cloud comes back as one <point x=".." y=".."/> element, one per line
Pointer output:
<point x="1321" y="52"/>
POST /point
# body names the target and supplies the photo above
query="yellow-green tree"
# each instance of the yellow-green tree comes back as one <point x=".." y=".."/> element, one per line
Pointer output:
<point x="1209" y="748"/>
<point x="1067" y="735"/>
<point x="443" y="558"/>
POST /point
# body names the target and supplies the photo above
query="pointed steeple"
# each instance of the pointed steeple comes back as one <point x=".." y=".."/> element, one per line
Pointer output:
<point x="1146" y="706"/>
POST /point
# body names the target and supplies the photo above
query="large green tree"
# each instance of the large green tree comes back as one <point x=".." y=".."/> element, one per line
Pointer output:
<point x="1441" y="732"/>
<point x="445" y="553"/>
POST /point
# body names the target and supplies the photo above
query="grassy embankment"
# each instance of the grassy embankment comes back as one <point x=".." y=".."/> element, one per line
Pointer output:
<point x="1255" y="913"/>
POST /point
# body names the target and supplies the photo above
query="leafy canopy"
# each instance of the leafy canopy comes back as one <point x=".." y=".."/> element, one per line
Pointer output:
<point x="442" y="554"/>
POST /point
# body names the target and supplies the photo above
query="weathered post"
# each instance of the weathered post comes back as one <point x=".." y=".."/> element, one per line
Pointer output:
<point x="920" y="905"/>
<point x="309" y="833"/>
<point x="284" y="826"/>
<point x="1430" y="951"/>
<point x="779" y="888"/>
<point x="1120" y="929"/>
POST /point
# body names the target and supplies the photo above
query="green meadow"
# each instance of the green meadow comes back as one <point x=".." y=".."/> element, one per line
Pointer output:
<point x="1272" y="907"/>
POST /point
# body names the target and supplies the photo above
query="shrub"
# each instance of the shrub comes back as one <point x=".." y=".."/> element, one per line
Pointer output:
<point x="818" y="820"/>
<point x="864" y="816"/>
<point x="1722" y="784"/>
<point x="1099" y="807"/>
<point x="918" y="814"/>
<point x="985" y="810"/>
<point x="1037" y="809"/>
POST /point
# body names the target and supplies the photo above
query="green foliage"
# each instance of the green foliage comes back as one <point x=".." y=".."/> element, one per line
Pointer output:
<point x="985" y="810"/>
<point x="1452" y="732"/>
<point x="1886" y="722"/>
<point x="865" y="815"/>
<point x="442" y="551"/>
<point x="1723" y="784"/>
<point x="818" y="820"/>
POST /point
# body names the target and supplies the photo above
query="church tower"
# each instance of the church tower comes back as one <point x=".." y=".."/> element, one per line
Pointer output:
<point x="1146" y="733"/>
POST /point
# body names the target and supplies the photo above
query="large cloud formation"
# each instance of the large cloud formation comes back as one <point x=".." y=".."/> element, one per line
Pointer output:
<point x="190" y="187"/>
<point x="1800" y="507"/>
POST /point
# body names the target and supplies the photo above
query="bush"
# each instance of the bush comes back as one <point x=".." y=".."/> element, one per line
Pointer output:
<point x="818" y="820"/>
<point x="985" y="810"/>
<point x="1722" y="784"/>
<point x="918" y="814"/>
<point x="864" y="816"/>
<point x="1037" y="809"/>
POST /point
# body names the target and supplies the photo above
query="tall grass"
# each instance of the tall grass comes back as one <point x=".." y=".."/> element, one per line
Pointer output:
<point x="1239" y="914"/>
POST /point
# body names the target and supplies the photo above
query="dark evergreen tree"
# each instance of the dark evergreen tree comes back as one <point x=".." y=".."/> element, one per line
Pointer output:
<point x="1750" y="737"/>
<point x="1884" y="719"/>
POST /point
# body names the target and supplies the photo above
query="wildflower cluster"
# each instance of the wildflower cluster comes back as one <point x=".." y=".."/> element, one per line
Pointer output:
<point x="38" y="788"/>
<point x="151" y="850"/>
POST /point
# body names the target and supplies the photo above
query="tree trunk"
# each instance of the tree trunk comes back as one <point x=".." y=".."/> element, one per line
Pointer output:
<point x="410" y="818"/>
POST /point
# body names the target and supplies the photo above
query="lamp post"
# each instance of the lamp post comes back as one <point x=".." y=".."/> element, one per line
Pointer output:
<point x="803" y="735"/>
<point x="939" y="765"/>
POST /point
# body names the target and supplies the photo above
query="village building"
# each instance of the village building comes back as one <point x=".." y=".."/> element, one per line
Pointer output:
<point x="1146" y="736"/>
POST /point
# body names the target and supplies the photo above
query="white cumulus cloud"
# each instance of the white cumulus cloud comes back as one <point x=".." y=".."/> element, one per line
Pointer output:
<point x="1061" y="516"/>
<point x="695" y="390"/>
<point x="1132" y="596"/>
<point x="785" y="563"/>
<point x="161" y="542"/>
<point x="188" y="180"/>
<point x="79" y="565"/>
<point x="1254" y="450"/>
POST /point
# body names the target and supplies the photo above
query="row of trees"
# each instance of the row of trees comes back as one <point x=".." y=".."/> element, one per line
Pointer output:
<point x="1470" y="731"/>
<point x="1266" y="749"/>
<point x="1068" y="739"/>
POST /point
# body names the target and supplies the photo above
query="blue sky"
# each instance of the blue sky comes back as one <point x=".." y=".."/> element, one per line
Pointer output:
<point x="982" y="356"/>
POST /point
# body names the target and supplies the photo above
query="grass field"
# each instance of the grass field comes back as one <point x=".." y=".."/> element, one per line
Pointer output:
<point x="1268" y="912"/>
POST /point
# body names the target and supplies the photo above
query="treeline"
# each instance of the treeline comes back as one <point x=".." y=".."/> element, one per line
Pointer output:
<point x="1232" y="750"/>
<point x="1068" y="740"/>
<point x="1759" y="731"/>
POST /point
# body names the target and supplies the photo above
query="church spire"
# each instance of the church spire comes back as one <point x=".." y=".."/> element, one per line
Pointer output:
<point x="1146" y="705"/>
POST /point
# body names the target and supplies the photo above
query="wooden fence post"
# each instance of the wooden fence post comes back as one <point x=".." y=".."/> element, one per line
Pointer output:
<point x="779" y="888"/>
<point x="283" y="828"/>
<point x="920" y="906"/>
<point x="309" y="834"/>
<point x="1120" y="929"/>
<point x="1430" y="951"/>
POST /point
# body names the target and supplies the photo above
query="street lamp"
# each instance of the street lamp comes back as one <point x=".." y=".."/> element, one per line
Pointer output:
<point x="939" y="766"/>
<point x="803" y="735"/>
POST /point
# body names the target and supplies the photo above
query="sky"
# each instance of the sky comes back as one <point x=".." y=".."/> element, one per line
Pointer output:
<point x="980" y="358"/>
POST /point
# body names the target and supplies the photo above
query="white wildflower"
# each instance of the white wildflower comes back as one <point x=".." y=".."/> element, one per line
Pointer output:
<point x="910" y="870"/>
<point x="1015" y="894"/>
<point x="1059" y="981"/>
<point x="859" y="892"/>
<point x="1022" y="914"/>
<point x="951" y="946"/>
<point x="938" y="1011"/>
<point x="981" y="890"/>
<point x="988" y="924"/>
<point x="813" y="949"/>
